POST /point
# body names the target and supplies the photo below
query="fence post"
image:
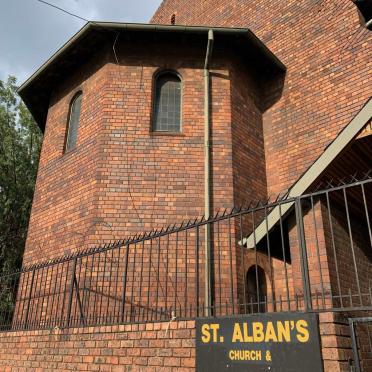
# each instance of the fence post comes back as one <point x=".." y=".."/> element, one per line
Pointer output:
<point x="125" y="283"/>
<point x="197" y="271"/>
<point x="76" y="284"/>
<point x="71" y="292"/>
<point x="29" y="297"/>
<point x="354" y="345"/>
<point x="208" y="271"/>
<point x="303" y="254"/>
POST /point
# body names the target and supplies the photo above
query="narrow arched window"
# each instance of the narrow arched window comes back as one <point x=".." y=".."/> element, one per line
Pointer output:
<point x="256" y="289"/>
<point x="167" y="103"/>
<point x="73" y="122"/>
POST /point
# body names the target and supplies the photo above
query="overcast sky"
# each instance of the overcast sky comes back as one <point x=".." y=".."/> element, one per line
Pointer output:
<point x="30" y="32"/>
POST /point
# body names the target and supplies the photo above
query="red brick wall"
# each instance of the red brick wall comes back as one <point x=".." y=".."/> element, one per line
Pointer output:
<point x="138" y="347"/>
<point x="64" y="200"/>
<point x="328" y="78"/>
<point x="82" y="197"/>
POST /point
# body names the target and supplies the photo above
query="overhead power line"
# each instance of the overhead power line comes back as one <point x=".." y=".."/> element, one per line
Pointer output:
<point x="63" y="10"/>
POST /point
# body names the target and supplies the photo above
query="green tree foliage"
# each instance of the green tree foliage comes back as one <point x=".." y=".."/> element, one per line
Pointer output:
<point x="20" y="143"/>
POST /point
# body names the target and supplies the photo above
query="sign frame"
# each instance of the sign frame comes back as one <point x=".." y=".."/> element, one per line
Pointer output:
<point x="280" y="342"/>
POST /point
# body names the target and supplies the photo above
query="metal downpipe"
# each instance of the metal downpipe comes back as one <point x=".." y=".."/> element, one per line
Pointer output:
<point x="207" y="177"/>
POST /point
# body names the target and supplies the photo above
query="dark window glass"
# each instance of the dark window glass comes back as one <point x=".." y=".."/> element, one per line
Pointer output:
<point x="167" y="110"/>
<point x="73" y="123"/>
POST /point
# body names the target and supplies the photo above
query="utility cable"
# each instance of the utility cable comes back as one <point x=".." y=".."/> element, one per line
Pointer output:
<point x="63" y="10"/>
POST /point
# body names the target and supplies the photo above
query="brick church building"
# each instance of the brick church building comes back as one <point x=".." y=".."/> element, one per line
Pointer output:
<point x="213" y="105"/>
<point x="283" y="87"/>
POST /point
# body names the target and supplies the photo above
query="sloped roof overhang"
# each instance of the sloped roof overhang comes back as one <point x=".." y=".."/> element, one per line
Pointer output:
<point x="350" y="132"/>
<point x="36" y="90"/>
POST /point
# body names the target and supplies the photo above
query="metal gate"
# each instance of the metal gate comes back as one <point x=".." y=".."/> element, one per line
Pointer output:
<point x="361" y="337"/>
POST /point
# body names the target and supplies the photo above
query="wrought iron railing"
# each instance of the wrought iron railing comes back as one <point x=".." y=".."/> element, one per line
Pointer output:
<point x="309" y="253"/>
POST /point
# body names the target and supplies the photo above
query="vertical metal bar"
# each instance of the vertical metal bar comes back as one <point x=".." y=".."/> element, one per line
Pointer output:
<point x="350" y="298"/>
<point x="117" y="284"/>
<point x="176" y="276"/>
<point x="2" y="316"/>
<point x="219" y="266"/>
<point x="71" y="292"/>
<point x="100" y="316"/>
<point x="284" y="257"/>
<point x="317" y="250"/>
<point x="108" y="301"/>
<point x="197" y="271"/>
<point x="76" y="284"/>
<point x="256" y="263"/>
<point x="5" y="287"/>
<point x="132" y="295"/>
<point x="367" y="214"/>
<point x="29" y="297"/>
<point x="77" y="289"/>
<point x="96" y="292"/>
<point x="44" y="296"/>
<point x="269" y="257"/>
<point x="90" y="292"/>
<point x="186" y="270"/>
<point x="141" y="273"/>
<point x="23" y="288"/>
<point x="242" y="264"/>
<point x="149" y="278"/>
<point x="55" y="280"/>
<point x="352" y="247"/>
<point x="84" y="283"/>
<point x="64" y="293"/>
<point x="207" y="269"/>
<point x="59" y="292"/>
<point x="231" y="268"/>
<point x="166" y="273"/>
<point x="36" y="308"/>
<point x="334" y="247"/>
<point x="158" y="278"/>
<point x="15" y="293"/>
<point x="124" y="292"/>
<point x="303" y="254"/>
<point x="369" y="337"/>
<point x="354" y="345"/>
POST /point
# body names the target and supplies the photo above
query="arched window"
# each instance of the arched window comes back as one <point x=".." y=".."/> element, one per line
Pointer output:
<point x="167" y="103"/>
<point x="256" y="291"/>
<point x="73" y="122"/>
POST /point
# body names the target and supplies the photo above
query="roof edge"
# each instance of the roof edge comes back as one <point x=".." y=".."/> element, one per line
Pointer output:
<point x="346" y="135"/>
<point x="53" y="57"/>
<point x="154" y="28"/>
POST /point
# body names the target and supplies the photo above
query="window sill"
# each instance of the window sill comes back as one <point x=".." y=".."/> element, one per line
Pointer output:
<point x="69" y="152"/>
<point x="172" y="134"/>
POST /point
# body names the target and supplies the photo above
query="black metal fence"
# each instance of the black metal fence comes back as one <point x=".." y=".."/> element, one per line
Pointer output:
<point x="361" y="336"/>
<point x="309" y="253"/>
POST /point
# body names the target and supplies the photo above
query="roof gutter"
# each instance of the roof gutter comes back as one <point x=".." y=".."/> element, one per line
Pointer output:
<point x="150" y="28"/>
